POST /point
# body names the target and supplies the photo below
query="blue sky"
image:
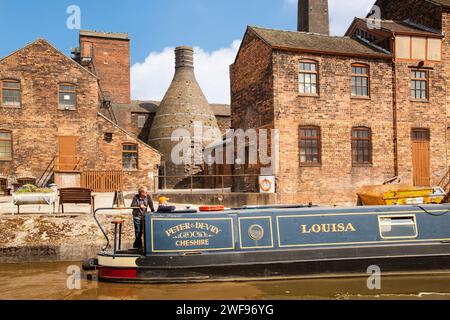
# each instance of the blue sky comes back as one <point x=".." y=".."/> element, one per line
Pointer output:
<point x="158" y="25"/>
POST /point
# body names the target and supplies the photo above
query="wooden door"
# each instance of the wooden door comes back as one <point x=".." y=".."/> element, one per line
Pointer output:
<point x="421" y="157"/>
<point x="67" y="158"/>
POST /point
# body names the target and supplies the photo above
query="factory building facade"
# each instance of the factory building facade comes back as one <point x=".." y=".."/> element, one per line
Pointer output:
<point x="354" y="110"/>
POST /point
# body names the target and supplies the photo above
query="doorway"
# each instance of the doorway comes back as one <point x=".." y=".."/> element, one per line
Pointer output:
<point x="67" y="155"/>
<point x="421" y="157"/>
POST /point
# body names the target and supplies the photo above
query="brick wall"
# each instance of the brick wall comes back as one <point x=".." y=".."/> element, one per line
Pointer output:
<point x="336" y="180"/>
<point x="251" y="99"/>
<point x="111" y="58"/>
<point x="251" y="85"/>
<point x="37" y="125"/>
<point x="446" y="57"/>
<point x="420" y="11"/>
<point x="110" y="153"/>
<point x="428" y="115"/>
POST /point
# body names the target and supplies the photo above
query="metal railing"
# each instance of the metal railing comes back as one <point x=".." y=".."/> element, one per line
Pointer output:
<point x="222" y="184"/>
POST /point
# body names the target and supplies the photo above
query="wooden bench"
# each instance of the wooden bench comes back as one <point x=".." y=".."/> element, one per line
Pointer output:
<point x="76" y="196"/>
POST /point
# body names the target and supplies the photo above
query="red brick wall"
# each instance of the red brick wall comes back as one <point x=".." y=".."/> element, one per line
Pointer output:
<point x="37" y="125"/>
<point x="109" y="157"/>
<point x="429" y="115"/>
<point x="251" y="99"/>
<point x="112" y="66"/>
<point x="420" y="11"/>
<point x="336" y="180"/>
<point x="251" y="85"/>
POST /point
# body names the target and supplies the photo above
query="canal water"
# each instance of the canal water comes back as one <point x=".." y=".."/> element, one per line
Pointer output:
<point x="49" y="281"/>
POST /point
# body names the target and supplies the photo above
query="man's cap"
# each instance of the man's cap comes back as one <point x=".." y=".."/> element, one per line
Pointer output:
<point x="163" y="199"/>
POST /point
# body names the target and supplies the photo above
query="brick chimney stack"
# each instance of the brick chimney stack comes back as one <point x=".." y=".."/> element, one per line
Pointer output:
<point x="313" y="16"/>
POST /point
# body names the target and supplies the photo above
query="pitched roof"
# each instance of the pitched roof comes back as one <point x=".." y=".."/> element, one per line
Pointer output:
<point x="102" y="116"/>
<point x="445" y="3"/>
<point x="138" y="106"/>
<point x="403" y="27"/>
<point x="43" y="41"/>
<point x="313" y="42"/>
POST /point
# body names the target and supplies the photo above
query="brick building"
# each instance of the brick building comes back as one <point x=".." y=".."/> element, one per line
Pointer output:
<point x="137" y="117"/>
<point x="353" y="110"/>
<point x="55" y="119"/>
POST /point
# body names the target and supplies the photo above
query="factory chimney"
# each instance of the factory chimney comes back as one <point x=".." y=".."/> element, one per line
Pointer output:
<point x="184" y="107"/>
<point x="313" y="16"/>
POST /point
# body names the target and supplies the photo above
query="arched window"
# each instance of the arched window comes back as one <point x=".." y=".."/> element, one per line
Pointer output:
<point x="5" y="145"/>
<point x="67" y="96"/>
<point x="11" y="93"/>
<point x="360" y="80"/>
<point x="308" y="78"/>
<point x="130" y="156"/>
<point x="310" y="146"/>
<point x="361" y="146"/>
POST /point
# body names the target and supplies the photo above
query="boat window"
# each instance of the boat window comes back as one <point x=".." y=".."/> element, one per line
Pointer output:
<point x="397" y="227"/>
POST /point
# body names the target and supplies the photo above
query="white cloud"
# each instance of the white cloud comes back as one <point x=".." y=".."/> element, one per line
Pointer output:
<point x="151" y="78"/>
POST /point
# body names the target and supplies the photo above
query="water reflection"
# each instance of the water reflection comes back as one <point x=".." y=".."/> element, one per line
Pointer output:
<point x="49" y="281"/>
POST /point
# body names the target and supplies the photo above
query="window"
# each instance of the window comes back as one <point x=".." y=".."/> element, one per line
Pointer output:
<point x="3" y="186"/>
<point x="308" y="77"/>
<point x="11" y="93"/>
<point x="398" y="227"/>
<point x="24" y="181"/>
<point x="108" y="137"/>
<point x="421" y="135"/>
<point x="5" y="145"/>
<point x="141" y="121"/>
<point x="361" y="146"/>
<point x="67" y="97"/>
<point x="419" y="85"/>
<point x="418" y="48"/>
<point x="360" y="80"/>
<point x="130" y="156"/>
<point x="310" y="146"/>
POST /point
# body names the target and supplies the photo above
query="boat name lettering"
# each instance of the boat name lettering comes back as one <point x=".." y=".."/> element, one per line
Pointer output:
<point x="193" y="226"/>
<point x="192" y="243"/>
<point x="328" y="228"/>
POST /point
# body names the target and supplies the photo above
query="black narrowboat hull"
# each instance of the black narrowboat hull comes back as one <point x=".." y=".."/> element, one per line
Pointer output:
<point x="277" y="243"/>
<point x="246" y="266"/>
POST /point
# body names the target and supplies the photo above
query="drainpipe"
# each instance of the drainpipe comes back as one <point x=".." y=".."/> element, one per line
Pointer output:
<point x="395" y="115"/>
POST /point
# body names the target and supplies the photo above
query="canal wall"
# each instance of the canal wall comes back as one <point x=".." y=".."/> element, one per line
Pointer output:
<point x="39" y="238"/>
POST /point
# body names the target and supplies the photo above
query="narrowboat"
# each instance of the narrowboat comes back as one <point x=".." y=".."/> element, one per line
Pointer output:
<point x="267" y="243"/>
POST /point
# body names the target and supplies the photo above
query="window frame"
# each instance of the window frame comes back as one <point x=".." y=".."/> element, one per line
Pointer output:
<point x="319" y="146"/>
<point x="416" y="80"/>
<point x="306" y="72"/>
<point x="422" y="130"/>
<point x="68" y="84"/>
<point x="5" y="185"/>
<point x="366" y="76"/>
<point x="131" y="152"/>
<point x="353" y="140"/>
<point x="380" y="225"/>
<point x="12" y="147"/>
<point x="26" y="180"/>
<point x="11" y="89"/>
<point x="139" y="117"/>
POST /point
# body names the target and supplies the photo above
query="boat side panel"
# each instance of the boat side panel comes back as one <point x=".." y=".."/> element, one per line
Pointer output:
<point x="263" y="230"/>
